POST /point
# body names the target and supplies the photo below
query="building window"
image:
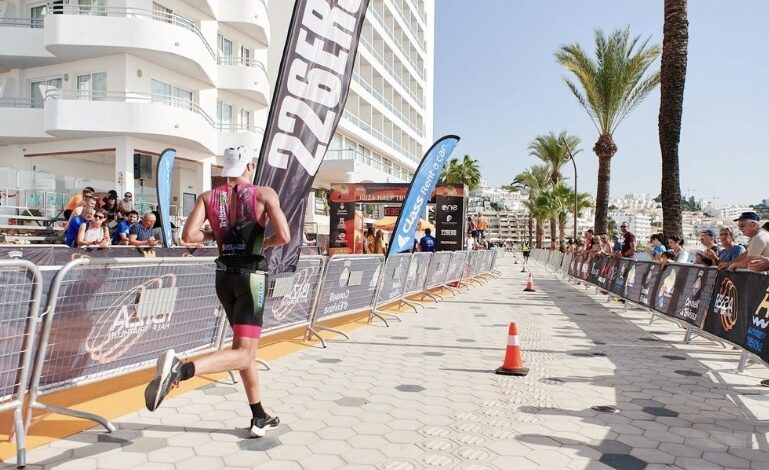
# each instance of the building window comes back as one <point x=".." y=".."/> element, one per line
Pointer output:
<point x="245" y="119"/>
<point x="92" y="86"/>
<point x="245" y="56"/>
<point x="36" y="15"/>
<point x="92" y="7"/>
<point x="39" y="88"/>
<point x="168" y="94"/>
<point x="161" y="13"/>
<point x="224" y="114"/>
<point x="225" y="46"/>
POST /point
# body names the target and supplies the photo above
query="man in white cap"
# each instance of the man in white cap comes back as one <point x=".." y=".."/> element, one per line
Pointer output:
<point x="238" y="213"/>
<point x="758" y="249"/>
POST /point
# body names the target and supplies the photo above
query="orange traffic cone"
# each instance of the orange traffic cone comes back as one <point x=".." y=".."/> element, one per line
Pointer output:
<point x="513" y="364"/>
<point x="529" y="285"/>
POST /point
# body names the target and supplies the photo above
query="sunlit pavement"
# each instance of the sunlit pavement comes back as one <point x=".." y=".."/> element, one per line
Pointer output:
<point x="422" y="394"/>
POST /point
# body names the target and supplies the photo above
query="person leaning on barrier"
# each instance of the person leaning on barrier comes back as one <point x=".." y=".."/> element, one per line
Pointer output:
<point x="676" y="245"/>
<point x="143" y="233"/>
<point x="84" y="214"/>
<point x="628" y="241"/>
<point x="95" y="232"/>
<point x="76" y="201"/>
<point x="758" y="248"/>
<point x="238" y="212"/>
<point x="120" y="236"/>
<point x="712" y="251"/>
<point x="729" y="250"/>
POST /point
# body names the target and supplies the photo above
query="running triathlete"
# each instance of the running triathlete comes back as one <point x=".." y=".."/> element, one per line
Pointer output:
<point x="238" y="212"/>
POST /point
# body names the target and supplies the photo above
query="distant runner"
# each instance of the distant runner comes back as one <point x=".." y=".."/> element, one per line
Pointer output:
<point x="238" y="212"/>
<point x="526" y="252"/>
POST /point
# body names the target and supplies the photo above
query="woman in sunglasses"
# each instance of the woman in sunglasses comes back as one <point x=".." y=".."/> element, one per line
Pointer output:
<point x="94" y="233"/>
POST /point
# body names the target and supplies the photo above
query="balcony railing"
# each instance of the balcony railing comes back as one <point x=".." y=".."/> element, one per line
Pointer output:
<point x="229" y="127"/>
<point x="15" y="103"/>
<point x="369" y="88"/>
<point x="21" y="22"/>
<point x="131" y="97"/>
<point x="389" y="68"/>
<point x="379" y="135"/>
<point x="163" y="17"/>
<point x="368" y="160"/>
<point x="245" y="61"/>
<point x="420" y="70"/>
<point x="419" y="40"/>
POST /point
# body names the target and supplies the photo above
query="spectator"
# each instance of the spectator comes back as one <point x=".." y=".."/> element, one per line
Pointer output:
<point x="470" y="243"/>
<point x="94" y="233"/>
<point x="103" y="200"/>
<point x="676" y="244"/>
<point x="88" y="201"/>
<point x="656" y="248"/>
<point x="368" y="239"/>
<point x="111" y="207"/>
<point x="379" y="247"/>
<point x="616" y="244"/>
<point x="471" y="230"/>
<point x="126" y="204"/>
<point x="605" y="248"/>
<point x="480" y="225"/>
<point x="628" y="241"/>
<point x="72" y="228"/>
<point x="756" y="258"/>
<point x="143" y="233"/>
<point x="76" y="201"/>
<point x="729" y="250"/>
<point x="427" y="243"/>
<point x="666" y="257"/>
<point x="123" y="227"/>
<point x="711" y="252"/>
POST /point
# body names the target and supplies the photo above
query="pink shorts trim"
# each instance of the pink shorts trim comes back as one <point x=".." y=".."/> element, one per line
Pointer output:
<point x="248" y="331"/>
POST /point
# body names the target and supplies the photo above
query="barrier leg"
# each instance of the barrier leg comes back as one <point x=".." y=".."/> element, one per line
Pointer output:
<point x="264" y="363"/>
<point x="689" y="334"/>
<point x="339" y="332"/>
<point x="744" y="359"/>
<point x="18" y="428"/>
<point x="410" y="304"/>
<point x="379" y="315"/>
<point x="233" y="377"/>
<point x="435" y="296"/>
<point x="75" y="413"/>
<point x="313" y="332"/>
<point x="653" y="316"/>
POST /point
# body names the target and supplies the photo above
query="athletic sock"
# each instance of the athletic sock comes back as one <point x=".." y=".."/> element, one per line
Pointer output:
<point x="257" y="411"/>
<point x="187" y="371"/>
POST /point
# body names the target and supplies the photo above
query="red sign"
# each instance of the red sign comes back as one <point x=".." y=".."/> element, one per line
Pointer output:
<point x="392" y="211"/>
<point x="384" y="192"/>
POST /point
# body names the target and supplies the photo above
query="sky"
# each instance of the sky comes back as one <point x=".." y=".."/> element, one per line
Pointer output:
<point x="497" y="86"/>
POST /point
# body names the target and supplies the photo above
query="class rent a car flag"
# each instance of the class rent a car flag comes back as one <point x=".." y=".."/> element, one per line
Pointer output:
<point x="420" y="190"/>
<point x="309" y="98"/>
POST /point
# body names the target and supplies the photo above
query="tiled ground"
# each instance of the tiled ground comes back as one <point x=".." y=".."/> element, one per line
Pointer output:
<point x="421" y="394"/>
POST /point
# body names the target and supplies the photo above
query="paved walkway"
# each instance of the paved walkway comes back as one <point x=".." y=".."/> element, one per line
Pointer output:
<point x="421" y="394"/>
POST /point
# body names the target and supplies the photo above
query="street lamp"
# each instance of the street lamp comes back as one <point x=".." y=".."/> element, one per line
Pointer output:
<point x="571" y="157"/>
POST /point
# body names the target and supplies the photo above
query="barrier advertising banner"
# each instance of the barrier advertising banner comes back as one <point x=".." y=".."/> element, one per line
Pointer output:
<point x="342" y="220"/>
<point x="308" y="101"/>
<point x="420" y="190"/>
<point x="695" y="286"/>
<point x="349" y="285"/>
<point x="164" y="177"/>
<point x="618" y="284"/>
<point x="634" y="281"/>
<point x="758" y="314"/>
<point x="729" y="310"/>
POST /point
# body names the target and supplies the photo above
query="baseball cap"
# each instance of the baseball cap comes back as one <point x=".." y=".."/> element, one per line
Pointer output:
<point x="747" y="216"/>
<point x="709" y="232"/>
<point x="235" y="162"/>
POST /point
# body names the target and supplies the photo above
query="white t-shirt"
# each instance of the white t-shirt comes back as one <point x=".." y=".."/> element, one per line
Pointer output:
<point x="94" y="234"/>
<point x="759" y="245"/>
<point x="682" y="257"/>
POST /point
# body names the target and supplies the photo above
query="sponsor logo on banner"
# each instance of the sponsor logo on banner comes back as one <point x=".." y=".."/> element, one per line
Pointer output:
<point x="726" y="304"/>
<point x="147" y="306"/>
<point x="645" y="287"/>
<point x="756" y="334"/>
<point x="375" y="277"/>
<point x="301" y="291"/>
<point x="665" y="291"/>
<point x="692" y="303"/>
<point x="630" y="281"/>
<point x="15" y="254"/>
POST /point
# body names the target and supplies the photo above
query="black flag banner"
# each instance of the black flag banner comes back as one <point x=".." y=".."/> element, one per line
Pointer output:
<point x="310" y="95"/>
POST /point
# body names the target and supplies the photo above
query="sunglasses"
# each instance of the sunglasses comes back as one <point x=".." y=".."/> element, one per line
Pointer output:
<point x="98" y="217"/>
<point x="128" y="196"/>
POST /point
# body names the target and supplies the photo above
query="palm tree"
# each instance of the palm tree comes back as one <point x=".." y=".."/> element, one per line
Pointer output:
<point x="563" y="197"/>
<point x="610" y="87"/>
<point x="465" y="172"/>
<point x="550" y="149"/>
<point x="548" y="207"/>
<point x="672" y="77"/>
<point x="534" y="180"/>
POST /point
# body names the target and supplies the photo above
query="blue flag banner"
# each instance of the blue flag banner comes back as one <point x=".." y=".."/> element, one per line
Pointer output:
<point x="420" y="190"/>
<point x="164" y="174"/>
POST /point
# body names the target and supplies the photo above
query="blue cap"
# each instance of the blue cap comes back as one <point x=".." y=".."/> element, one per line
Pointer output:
<point x="747" y="216"/>
<point x="710" y="232"/>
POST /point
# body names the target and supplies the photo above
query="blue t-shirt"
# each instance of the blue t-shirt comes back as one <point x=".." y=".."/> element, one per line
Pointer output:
<point x="732" y="253"/>
<point x="427" y="243"/>
<point x="70" y="237"/>
<point x="658" y="250"/>
<point x="122" y="227"/>
<point x="142" y="234"/>
<point x="617" y="246"/>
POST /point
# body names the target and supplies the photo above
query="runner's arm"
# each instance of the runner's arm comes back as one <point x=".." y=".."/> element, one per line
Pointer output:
<point x="281" y="232"/>
<point x="193" y="233"/>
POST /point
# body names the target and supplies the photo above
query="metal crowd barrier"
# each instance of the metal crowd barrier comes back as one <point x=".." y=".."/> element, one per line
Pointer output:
<point x="109" y="317"/>
<point x="724" y="306"/>
<point x="19" y="308"/>
<point x="349" y="285"/>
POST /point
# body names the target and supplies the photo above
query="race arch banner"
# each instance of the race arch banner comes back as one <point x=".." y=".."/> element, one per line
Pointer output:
<point x="309" y="98"/>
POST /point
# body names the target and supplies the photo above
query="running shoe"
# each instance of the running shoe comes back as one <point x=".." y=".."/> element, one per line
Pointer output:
<point x="168" y="372"/>
<point x="260" y="426"/>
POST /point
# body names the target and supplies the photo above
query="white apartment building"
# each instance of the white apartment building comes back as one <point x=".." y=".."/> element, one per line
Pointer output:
<point x="387" y="125"/>
<point x="85" y="85"/>
<point x="639" y="224"/>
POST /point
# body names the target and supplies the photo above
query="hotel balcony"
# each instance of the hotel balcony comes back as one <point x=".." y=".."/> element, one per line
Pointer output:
<point x="74" y="32"/>
<point x="20" y="122"/>
<point x="248" y="16"/>
<point x="235" y="135"/>
<point x="246" y="77"/>
<point x="23" y="43"/>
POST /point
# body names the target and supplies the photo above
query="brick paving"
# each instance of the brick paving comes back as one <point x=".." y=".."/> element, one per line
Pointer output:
<point x="421" y="394"/>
